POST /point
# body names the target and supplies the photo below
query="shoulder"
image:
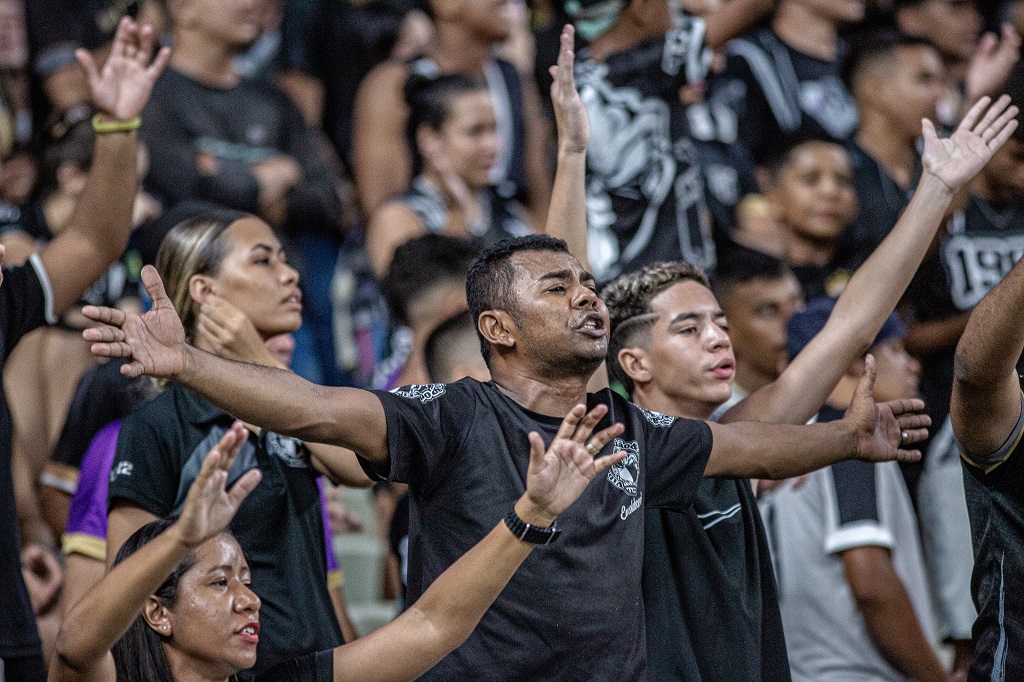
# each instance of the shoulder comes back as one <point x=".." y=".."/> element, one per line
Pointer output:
<point x="382" y="86"/>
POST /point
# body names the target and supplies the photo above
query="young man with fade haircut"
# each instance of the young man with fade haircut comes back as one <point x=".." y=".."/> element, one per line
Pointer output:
<point x="574" y="611"/>
<point x="645" y="193"/>
<point x="896" y="80"/>
<point x="988" y="422"/>
<point x="37" y="292"/>
<point x="670" y="347"/>
<point x="853" y="591"/>
<point x="466" y="31"/>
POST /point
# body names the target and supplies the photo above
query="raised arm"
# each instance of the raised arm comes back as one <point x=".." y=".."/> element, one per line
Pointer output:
<point x="567" y="212"/>
<point x="267" y="397"/>
<point x="986" y="402"/>
<point x="878" y="285"/>
<point x="99" y="229"/>
<point x="96" y="622"/>
<point x="868" y="431"/>
<point x="453" y="605"/>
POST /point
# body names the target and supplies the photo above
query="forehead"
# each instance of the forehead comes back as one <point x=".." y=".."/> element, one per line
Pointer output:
<point x="247" y="232"/>
<point x="220" y="550"/>
<point x="820" y="155"/>
<point x="688" y="296"/>
<point x="531" y="266"/>
<point x="761" y="289"/>
<point x="473" y="103"/>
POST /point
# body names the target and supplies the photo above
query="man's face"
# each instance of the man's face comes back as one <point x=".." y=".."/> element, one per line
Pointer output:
<point x="953" y="25"/>
<point x="562" y="324"/>
<point x="1004" y="174"/>
<point x="234" y="24"/>
<point x="912" y="87"/>
<point x="690" y="355"/>
<point x="758" y="311"/>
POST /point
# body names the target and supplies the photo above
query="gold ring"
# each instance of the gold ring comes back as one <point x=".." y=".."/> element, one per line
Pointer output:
<point x="592" y="450"/>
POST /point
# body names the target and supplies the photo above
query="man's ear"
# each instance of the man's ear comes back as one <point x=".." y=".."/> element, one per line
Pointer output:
<point x="634" y="363"/>
<point x="157" y="617"/>
<point x="498" y="328"/>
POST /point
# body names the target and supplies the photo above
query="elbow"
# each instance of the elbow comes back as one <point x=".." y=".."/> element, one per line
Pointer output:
<point x="64" y="647"/>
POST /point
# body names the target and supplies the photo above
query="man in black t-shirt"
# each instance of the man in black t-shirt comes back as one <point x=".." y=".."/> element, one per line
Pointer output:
<point x="710" y="596"/>
<point x="54" y="279"/>
<point x="574" y="611"/>
<point x="988" y="421"/>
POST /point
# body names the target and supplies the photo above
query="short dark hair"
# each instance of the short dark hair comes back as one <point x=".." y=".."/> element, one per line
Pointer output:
<point x="629" y="297"/>
<point x="782" y="152"/>
<point x="444" y="342"/>
<point x="489" y="284"/>
<point x="738" y="264"/>
<point x="879" y="44"/>
<point x="430" y="97"/>
<point x="422" y="263"/>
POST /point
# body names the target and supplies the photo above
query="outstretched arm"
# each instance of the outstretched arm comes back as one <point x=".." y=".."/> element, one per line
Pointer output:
<point x="986" y="402"/>
<point x="868" y="431"/>
<point x="878" y="285"/>
<point x="567" y="212"/>
<point x="96" y="622"/>
<point x="271" y="398"/>
<point x="453" y="605"/>
<point x="99" y="229"/>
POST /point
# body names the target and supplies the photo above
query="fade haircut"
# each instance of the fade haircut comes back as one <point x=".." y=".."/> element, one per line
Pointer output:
<point x="421" y="264"/>
<point x="739" y="265"/>
<point x="629" y="297"/>
<point x="875" y="47"/>
<point x="491" y="279"/>
<point x="446" y="343"/>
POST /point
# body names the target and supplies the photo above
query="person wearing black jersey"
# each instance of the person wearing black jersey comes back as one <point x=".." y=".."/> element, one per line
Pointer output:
<point x="987" y="419"/>
<point x="543" y="332"/>
<point x="186" y="610"/>
<point x="670" y="348"/>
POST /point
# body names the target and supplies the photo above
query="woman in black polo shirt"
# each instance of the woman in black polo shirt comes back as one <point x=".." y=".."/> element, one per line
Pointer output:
<point x="236" y="258"/>
<point x="180" y="592"/>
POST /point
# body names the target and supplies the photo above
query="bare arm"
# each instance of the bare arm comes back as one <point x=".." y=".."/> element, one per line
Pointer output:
<point x="452" y="606"/>
<point x="99" y="228"/>
<point x="868" y="431"/>
<point x="878" y="285"/>
<point x="124" y="519"/>
<point x="94" y="624"/>
<point x="986" y="402"/>
<point x="888" y="613"/>
<point x="733" y="19"/>
<point x="382" y="165"/>
<point x="391" y="225"/>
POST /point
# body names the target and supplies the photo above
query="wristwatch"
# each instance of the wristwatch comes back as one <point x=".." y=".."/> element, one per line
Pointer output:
<point x="532" y="534"/>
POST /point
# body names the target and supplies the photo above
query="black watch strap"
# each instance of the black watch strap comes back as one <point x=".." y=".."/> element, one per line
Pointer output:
<point x="532" y="534"/>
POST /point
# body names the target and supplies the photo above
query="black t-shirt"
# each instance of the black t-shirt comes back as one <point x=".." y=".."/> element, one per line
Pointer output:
<point x="645" y="194"/>
<point x="573" y="611"/>
<point x="710" y="597"/>
<point x="25" y="303"/>
<point x="995" y="504"/>
<point x="779" y="94"/>
<point x="315" y="667"/>
<point x="279" y="526"/>
<point x="880" y="201"/>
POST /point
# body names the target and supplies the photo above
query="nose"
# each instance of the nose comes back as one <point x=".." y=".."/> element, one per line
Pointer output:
<point x="585" y="297"/>
<point x="717" y="338"/>
<point x="288" y="274"/>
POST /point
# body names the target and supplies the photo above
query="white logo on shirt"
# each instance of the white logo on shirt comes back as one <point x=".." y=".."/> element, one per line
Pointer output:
<point x="423" y="392"/>
<point x="625" y="475"/>
<point x="288" y="449"/>
<point x="657" y="418"/>
<point x="122" y="469"/>
<point x="633" y="506"/>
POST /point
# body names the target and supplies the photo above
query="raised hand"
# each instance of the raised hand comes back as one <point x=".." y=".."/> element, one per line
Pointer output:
<point x="122" y="87"/>
<point x="992" y="62"/>
<point x="570" y="114"/>
<point x="985" y="129"/>
<point x="884" y="428"/>
<point x="210" y="506"/>
<point x="153" y="343"/>
<point x="455" y="189"/>
<point x="559" y="475"/>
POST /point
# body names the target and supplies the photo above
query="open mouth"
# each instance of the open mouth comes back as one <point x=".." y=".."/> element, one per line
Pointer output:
<point x="592" y="324"/>
<point x="251" y="632"/>
<point x="724" y="369"/>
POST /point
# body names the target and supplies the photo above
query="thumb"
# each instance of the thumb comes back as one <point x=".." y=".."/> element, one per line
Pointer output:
<point x="928" y="132"/>
<point x="987" y="45"/>
<point x="865" y="392"/>
<point x="536" y="450"/>
<point x="85" y="58"/>
<point x="155" y="287"/>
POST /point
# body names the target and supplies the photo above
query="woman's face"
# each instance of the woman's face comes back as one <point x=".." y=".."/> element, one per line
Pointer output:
<point x="814" y="192"/>
<point x="214" y="624"/>
<point x="255" y="278"/>
<point x="469" y="137"/>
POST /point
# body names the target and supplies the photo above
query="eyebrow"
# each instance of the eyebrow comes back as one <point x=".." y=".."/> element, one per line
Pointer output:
<point x="685" y="317"/>
<point x="266" y="247"/>
<point x="565" y="274"/>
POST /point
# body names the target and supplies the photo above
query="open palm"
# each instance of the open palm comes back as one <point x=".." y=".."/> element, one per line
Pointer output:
<point x="883" y="429"/>
<point x="559" y="475"/>
<point x="153" y="343"/>
<point x="570" y="113"/>
<point x="957" y="159"/>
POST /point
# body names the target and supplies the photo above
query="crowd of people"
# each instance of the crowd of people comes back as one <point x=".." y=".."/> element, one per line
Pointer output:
<point x="677" y="340"/>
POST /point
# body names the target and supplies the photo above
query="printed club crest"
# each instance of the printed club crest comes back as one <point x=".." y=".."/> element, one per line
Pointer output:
<point x="657" y="418"/>
<point x="625" y="475"/>
<point x="422" y="392"/>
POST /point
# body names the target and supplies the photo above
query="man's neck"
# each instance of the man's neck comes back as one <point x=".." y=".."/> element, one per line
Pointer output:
<point x="750" y="378"/>
<point x="883" y="141"/>
<point x="805" y="31"/>
<point x="205" y="61"/>
<point x="674" y="407"/>
<point x="628" y="31"/>
<point x="803" y="251"/>
<point x="552" y="397"/>
<point x="460" y="51"/>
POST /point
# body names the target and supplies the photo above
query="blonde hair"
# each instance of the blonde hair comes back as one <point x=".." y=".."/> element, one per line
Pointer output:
<point x="192" y="247"/>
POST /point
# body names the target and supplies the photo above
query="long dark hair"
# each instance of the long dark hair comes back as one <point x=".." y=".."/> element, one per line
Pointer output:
<point x="139" y="654"/>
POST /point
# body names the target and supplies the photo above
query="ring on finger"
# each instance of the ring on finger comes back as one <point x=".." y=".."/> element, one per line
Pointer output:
<point x="904" y="437"/>
<point x="592" y="449"/>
